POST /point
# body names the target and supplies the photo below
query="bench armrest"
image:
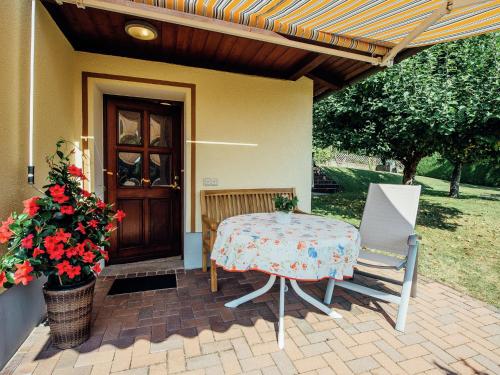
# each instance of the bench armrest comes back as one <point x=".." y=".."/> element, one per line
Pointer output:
<point x="211" y="224"/>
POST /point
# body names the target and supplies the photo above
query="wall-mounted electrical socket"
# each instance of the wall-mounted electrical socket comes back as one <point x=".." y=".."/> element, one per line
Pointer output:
<point x="210" y="181"/>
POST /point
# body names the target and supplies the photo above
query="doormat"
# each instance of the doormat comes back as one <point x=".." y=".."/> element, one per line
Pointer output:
<point x="141" y="284"/>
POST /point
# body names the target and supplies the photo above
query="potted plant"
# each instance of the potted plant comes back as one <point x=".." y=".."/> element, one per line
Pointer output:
<point x="284" y="207"/>
<point x="62" y="234"/>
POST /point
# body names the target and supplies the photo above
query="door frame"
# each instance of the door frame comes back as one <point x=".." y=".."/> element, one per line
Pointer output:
<point x="180" y="105"/>
<point x="124" y="81"/>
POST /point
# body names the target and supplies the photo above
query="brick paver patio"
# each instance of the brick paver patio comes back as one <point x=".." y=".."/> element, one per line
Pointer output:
<point x="189" y="330"/>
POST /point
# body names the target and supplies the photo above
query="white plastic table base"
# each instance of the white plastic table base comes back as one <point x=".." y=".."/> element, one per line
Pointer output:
<point x="306" y="297"/>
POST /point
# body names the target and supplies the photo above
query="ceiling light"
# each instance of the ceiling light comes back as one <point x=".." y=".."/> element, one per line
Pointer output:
<point x="141" y="30"/>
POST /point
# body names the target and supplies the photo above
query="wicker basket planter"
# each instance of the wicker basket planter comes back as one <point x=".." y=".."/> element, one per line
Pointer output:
<point x="69" y="313"/>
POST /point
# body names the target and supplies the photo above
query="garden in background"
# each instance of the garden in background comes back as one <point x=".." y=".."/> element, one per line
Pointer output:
<point x="460" y="237"/>
<point x="435" y="114"/>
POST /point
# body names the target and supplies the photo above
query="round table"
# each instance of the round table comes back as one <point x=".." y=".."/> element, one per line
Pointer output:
<point x="309" y="248"/>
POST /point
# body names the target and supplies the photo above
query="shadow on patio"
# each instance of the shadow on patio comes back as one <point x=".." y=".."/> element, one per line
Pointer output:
<point x="189" y="329"/>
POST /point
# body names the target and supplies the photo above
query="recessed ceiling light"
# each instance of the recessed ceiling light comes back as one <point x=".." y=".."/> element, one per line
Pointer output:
<point x="141" y="30"/>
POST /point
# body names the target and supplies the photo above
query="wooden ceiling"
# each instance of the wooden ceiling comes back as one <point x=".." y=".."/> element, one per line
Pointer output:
<point x="98" y="31"/>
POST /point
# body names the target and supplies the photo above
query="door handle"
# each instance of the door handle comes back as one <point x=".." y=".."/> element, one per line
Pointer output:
<point x="174" y="186"/>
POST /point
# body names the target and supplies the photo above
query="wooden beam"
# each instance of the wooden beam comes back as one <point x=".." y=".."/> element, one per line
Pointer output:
<point x="327" y="79"/>
<point x="309" y="66"/>
<point x="210" y="24"/>
<point x="320" y="90"/>
<point x="370" y="71"/>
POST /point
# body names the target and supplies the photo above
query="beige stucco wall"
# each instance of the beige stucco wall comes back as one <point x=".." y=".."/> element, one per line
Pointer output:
<point x="275" y="115"/>
<point x="54" y="100"/>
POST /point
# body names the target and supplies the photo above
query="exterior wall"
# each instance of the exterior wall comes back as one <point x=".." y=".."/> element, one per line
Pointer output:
<point x="54" y="118"/>
<point x="275" y="115"/>
<point x="54" y="97"/>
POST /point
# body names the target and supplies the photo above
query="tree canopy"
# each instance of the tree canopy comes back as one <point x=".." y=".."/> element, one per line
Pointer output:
<point x="420" y="106"/>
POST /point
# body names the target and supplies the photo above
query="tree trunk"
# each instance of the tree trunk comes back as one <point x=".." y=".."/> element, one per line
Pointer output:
<point x="455" y="180"/>
<point x="410" y="171"/>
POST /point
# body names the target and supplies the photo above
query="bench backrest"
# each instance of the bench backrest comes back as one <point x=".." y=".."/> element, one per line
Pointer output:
<point x="221" y="204"/>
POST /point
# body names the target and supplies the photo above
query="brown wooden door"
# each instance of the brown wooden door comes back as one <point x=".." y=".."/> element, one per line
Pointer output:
<point x="143" y="142"/>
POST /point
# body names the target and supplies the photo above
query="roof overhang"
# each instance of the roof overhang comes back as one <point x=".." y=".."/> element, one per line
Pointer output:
<point x="332" y="44"/>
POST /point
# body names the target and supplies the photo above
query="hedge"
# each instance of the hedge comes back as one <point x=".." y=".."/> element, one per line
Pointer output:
<point x="483" y="173"/>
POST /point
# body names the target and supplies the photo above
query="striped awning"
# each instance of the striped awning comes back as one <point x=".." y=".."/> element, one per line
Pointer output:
<point x="372" y="26"/>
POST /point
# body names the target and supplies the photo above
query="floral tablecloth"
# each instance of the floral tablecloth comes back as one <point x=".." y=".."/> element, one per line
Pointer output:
<point x="308" y="248"/>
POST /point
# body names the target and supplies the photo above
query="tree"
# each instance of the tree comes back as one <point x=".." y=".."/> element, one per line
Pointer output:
<point x="469" y="71"/>
<point x="393" y="114"/>
<point x="405" y="112"/>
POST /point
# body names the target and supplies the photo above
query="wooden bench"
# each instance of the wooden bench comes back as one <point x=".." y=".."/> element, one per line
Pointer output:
<point x="217" y="205"/>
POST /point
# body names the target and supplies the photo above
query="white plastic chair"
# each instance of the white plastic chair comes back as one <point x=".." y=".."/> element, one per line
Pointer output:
<point x="388" y="225"/>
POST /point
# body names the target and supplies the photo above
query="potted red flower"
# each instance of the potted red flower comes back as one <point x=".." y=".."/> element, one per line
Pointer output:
<point x="63" y="235"/>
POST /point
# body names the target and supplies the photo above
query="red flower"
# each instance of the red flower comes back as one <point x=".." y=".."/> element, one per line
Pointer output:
<point x="101" y="204"/>
<point x="71" y="252"/>
<point x="3" y="278"/>
<point x="62" y="236"/>
<point x="37" y="251"/>
<point x="85" y="193"/>
<point x="93" y="223"/>
<point x="56" y="252"/>
<point x="62" y="267"/>
<point x="88" y="257"/>
<point x="50" y="242"/>
<point x="120" y="215"/>
<point x="27" y="242"/>
<point x="57" y="193"/>
<point x="22" y="275"/>
<point x="80" y="228"/>
<point x="5" y="232"/>
<point x="73" y="271"/>
<point x="110" y="227"/>
<point x="66" y="267"/>
<point x="80" y="248"/>
<point x="75" y="171"/>
<point x="96" y="268"/>
<point x="30" y="206"/>
<point x="67" y="210"/>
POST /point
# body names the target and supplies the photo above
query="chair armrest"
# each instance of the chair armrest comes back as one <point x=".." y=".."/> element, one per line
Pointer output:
<point x="413" y="239"/>
<point x="211" y="224"/>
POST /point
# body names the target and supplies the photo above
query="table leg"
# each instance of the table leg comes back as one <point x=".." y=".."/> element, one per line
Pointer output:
<point x="281" y="327"/>
<point x="254" y="294"/>
<point x="306" y="297"/>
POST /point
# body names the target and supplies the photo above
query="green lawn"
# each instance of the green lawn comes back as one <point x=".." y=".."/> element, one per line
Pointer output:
<point x="460" y="245"/>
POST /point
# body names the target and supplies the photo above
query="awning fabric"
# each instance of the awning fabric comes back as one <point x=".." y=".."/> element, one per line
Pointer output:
<point x="369" y="26"/>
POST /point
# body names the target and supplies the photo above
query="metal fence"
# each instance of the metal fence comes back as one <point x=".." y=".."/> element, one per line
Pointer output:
<point x="348" y="160"/>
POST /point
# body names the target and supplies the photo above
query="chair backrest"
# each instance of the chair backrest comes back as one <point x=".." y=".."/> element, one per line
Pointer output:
<point x="389" y="217"/>
<point x="221" y="204"/>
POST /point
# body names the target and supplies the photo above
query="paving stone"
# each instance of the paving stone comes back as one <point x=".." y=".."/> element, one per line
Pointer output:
<point x="202" y="361"/>
<point x="363" y="364"/>
<point x="256" y="363"/>
<point x="415" y="365"/>
<point x="310" y="363"/>
<point x="230" y="362"/>
<point x="189" y="331"/>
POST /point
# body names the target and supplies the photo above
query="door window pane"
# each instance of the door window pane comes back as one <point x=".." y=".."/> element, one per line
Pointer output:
<point x="129" y="169"/>
<point x="129" y="128"/>
<point x="159" y="169"/>
<point x="160" y="130"/>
